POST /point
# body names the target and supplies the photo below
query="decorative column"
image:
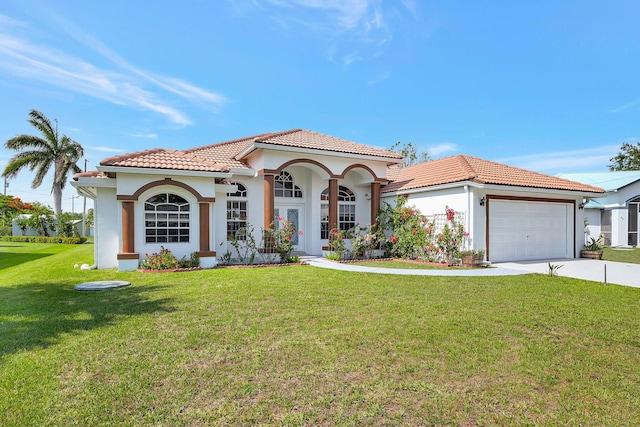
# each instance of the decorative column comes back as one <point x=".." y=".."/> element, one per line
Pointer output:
<point x="269" y="204"/>
<point x="375" y="201"/>
<point x="128" y="228"/>
<point x="333" y="204"/>
<point x="204" y="228"/>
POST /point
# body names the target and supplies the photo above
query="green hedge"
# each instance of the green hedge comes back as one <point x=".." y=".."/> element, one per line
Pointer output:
<point x="42" y="239"/>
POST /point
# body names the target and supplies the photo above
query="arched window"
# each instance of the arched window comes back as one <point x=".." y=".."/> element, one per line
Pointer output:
<point x="285" y="187"/>
<point x="237" y="213"/>
<point x="346" y="210"/>
<point x="166" y="219"/>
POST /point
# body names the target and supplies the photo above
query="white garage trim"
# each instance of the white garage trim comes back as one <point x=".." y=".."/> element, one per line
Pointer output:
<point x="526" y="228"/>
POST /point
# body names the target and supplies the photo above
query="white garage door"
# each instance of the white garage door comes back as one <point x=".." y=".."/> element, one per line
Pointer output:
<point x="526" y="230"/>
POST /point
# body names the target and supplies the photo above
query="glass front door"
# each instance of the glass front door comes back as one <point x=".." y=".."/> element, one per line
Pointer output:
<point x="293" y="215"/>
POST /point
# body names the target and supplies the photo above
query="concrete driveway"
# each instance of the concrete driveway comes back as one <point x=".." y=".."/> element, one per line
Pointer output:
<point x="618" y="273"/>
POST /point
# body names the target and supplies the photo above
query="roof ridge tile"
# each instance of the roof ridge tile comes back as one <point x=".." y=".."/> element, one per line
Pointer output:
<point x="126" y="156"/>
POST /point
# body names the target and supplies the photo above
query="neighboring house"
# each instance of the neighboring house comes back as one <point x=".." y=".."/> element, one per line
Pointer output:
<point x="195" y="200"/>
<point x="615" y="215"/>
<point x="16" y="231"/>
<point x="511" y="213"/>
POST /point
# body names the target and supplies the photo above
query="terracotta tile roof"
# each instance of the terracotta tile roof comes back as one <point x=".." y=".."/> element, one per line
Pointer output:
<point x="161" y="158"/>
<point x="224" y="152"/>
<point x="467" y="168"/>
<point x="301" y="138"/>
<point x="223" y="156"/>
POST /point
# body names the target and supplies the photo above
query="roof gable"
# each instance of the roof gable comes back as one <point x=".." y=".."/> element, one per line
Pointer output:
<point x="467" y="168"/>
<point x="301" y="138"/>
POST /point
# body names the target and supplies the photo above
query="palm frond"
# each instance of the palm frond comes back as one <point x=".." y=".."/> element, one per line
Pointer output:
<point x="21" y="142"/>
<point x="41" y="172"/>
<point x="43" y="124"/>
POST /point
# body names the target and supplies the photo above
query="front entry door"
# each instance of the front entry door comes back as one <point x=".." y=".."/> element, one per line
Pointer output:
<point x="294" y="215"/>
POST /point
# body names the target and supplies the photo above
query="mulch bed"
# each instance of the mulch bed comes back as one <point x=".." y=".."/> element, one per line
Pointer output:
<point x="409" y="261"/>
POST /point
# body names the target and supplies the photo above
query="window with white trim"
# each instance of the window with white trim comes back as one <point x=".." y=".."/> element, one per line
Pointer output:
<point x="237" y="213"/>
<point x="346" y="210"/>
<point x="285" y="187"/>
<point x="166" y="219"/>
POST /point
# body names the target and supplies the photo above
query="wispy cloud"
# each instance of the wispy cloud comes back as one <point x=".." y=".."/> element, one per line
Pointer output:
<point x="622" y="107"/>
<point x="439" y="149"/>
<point x="585" y="160"/>
<point x="103" y="149"/>
<point x="124" y="84"/>
<point x="345" y="23"/>
<point x="144" y="135"/>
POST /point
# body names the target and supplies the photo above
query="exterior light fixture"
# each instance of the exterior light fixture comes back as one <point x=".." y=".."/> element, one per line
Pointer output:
<point x="482" y="201"/>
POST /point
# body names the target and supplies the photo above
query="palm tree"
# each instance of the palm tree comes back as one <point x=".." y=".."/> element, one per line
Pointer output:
<point x="39" y="153"/>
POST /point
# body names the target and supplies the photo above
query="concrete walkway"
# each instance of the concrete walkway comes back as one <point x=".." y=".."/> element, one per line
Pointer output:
<point x="616" y="272"/>
<point x="325" y="263"/>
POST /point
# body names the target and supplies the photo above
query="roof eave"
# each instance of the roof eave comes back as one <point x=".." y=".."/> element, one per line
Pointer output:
<point x="493" y="187"/>
<point x="158" y="171"/>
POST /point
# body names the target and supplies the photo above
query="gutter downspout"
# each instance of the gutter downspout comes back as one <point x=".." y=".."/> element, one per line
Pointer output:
<point x="467" y="219"/>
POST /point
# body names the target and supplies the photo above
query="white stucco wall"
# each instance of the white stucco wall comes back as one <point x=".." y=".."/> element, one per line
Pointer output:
<point x="593" y="228"/>
<point x="467" y="199"/>
<point x="107" y="228"/>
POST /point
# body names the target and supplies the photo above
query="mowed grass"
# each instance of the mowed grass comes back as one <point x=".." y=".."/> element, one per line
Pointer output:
<point x="631" y="255"/>
<point x="306" y="346"/>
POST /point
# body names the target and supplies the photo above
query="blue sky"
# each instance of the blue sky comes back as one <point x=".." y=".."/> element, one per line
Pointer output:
<point x="545" y="85"/>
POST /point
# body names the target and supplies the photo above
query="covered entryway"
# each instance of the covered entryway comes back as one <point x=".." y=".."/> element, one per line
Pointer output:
<point x="521" y="230"/>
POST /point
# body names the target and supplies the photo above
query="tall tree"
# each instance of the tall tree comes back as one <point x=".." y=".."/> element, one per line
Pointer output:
<point x="410" y="153"/>
<point x="628" y="159"/>
<point x="39" y="153"/>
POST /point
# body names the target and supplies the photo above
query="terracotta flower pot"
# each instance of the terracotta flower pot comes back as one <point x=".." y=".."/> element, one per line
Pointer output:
<point x="471" y="261"/>
<point x="591" y="254"/>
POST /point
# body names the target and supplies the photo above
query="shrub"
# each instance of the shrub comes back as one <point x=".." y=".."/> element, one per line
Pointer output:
<point x="44" y="239"/>
<point x="165" y="260"/>
<point x="337" y="244"/>
<point x="412" y="235"/>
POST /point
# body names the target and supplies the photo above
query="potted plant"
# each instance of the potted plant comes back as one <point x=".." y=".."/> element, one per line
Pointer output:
<point x="592" y="250"/>
<point x="472" y="258"/>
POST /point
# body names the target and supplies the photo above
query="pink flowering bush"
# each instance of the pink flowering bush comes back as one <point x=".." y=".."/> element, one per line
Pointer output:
<point x="337" y="244"/>
<point x="165" y="260"/>
<point x="407" y="229"/>
<point x="364" y="239"/>
<point x="283" y="239"/>
<point x="409" y="234"/>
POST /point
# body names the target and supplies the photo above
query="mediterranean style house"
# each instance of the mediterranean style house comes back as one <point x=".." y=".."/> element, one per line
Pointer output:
<point x="194" y="200"/>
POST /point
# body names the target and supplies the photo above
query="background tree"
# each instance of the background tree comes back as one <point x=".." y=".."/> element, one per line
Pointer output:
<point x="410" y="153"/>
<point x="89" y="218"/>
<point x="42" y="219"/>
<point x="40" y="153"/>
<point x="10" y="207"/>
<point x="628" y="159"/>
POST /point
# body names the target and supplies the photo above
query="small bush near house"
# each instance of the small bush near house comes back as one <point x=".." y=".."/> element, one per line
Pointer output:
<point x="165" y="260"/>
<point x="44" y="239"/>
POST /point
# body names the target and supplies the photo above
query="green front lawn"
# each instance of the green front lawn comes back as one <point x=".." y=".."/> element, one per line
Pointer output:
<point x="301" y="345"/>
<point x="622" y="255"/>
